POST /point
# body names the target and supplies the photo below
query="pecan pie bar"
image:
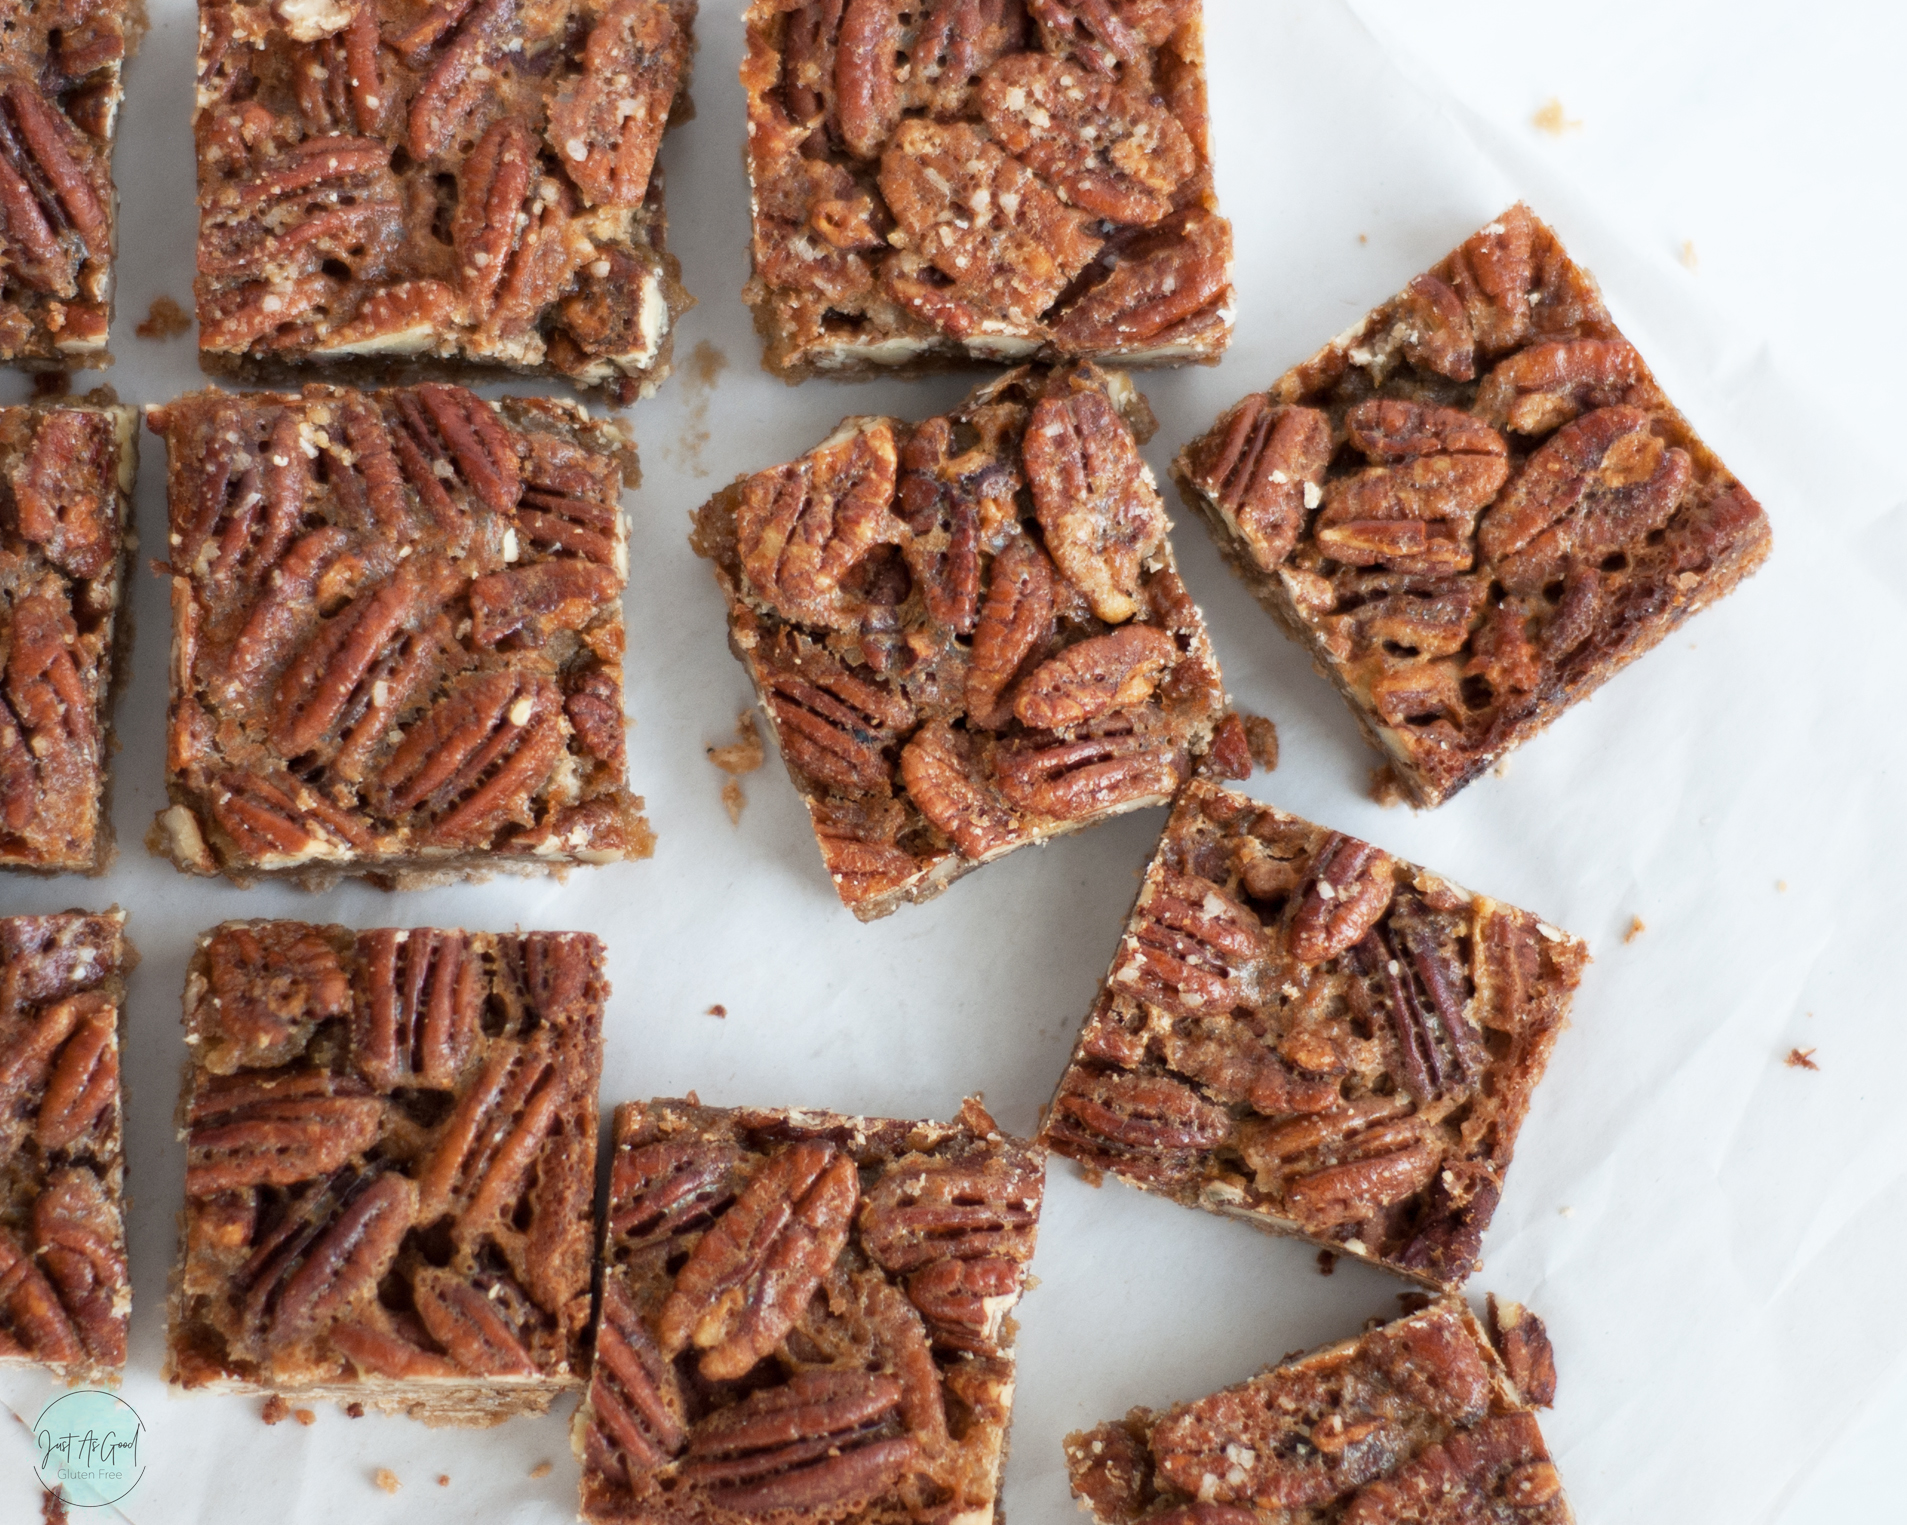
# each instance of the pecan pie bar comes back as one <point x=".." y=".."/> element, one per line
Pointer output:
<point x="397" y="636"/>
<point x="1416" y="1422"/>
<point x="968" y="633"/>
<point x="67" y="525"/>
<point x="62" y="1228"/>
<point x="805" y="1317"/>
<point x="458" y="183"/>
<point x="390" y="1167"/>
<point x="948" y="181"/>
<point x="1475" y="506"/>
<point x="1304" y="1032"/>
<point x="59" y="106"/>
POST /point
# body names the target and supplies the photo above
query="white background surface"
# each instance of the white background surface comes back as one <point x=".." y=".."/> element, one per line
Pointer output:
<point x="1712" y="1237"/>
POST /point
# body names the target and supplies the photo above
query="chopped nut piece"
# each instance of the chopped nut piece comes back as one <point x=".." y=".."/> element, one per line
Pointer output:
<point x="398" y="637"/>
<point x="1475" y="507"/>
<point x="165" y="319"/>
<point x="805" y="1312"/>
<point x="1801" y="1059"/>
<point x="390" y="1206"/>
<point x="541" y="1469"/>
<point x="955" y="181"/>
<point x="1304" y="1032"/>
<point x="948" y="675"/>
<point x="276" y="1410"/>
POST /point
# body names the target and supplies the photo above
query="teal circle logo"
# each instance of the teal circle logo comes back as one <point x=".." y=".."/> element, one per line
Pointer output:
<point x="90" y="1446"/>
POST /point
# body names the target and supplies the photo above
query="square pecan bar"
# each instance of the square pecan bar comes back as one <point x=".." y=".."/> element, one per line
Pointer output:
<point x="1416" y="1421"/>
<point x="805" y="1317"/>
<point x="390" y="1167"/>
<point x="397" y="636"/>
<point x="62" y="1139"/>
<point x="1474" y="507"/>
<point x="59" y="108"/>
<point x="952" y="181"/>
<point x="460" y="183"/>
<point x="1304" y="1032"/>
<point x="967" y="633"/>
<point x="69" y="474"/>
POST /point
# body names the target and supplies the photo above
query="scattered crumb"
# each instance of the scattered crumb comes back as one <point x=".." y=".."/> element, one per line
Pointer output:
<point x="541" y="1469"/>
<point x="306" y="1417"/>
<point x="1687" y="256"/>
<point x="1413" y="1302"/>
<point x="743" y="755"/>
<point x="354" y="1411"/>
<point x="53" y="1507"/>
<point x="275" y="1411"/>
<point x="1031" y="1282"/>
<point x="1364" y="238"/>
<point x="718" y="1010"/>
<point x="1385" y="788"/>
<point x="1801" y="1059"/>
<point x="51" y="384"/>
<point x="1565" y="1212"/>
<point x="1327" y="1262"/>
<point x="1550" y="119"/>
<point x="1262" y="736"/>
<point x="1637" y="926"/>
<point x="165" y="319"/>
<point x="700" y="375"/>
<point x="102" y="396"/>
<point x="1502" y="768"/>
<point x="443" y="1479"/>
<point x="1092" y="1175"/>
<point x="386" y="1479"/>
<point x="1782" y="885"/>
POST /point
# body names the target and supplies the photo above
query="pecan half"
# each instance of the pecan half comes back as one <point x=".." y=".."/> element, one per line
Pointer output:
<point x="1106" y="33"/>
<point x="1416" y="512"/>
<point x="867" y="55"/>
<point x="271" y="984"/>
<point x="1266" y="470"/>
<point x="803" y="527"/>
<point x="47" y="958"/>
<point x="274" y="1131"/>
<point x="635" y="1402"/>
<point x="478" y="757"/>
<point x="469" y="1325"/>
<point x="449" y="436"/>
<point x="1492" y="274"/>
<point x="1114" y="671"/>
<point x="833" y="724"/>
<point x="29" y="1057"/>
<point x="955" y="43"/>
<point x="489" y="1144"/>
<point x="83" y="1084"/>
<point x="605" y="127"/>
<point x="1523" y="1342"/>
<point x="665" y="1189"/>
<point x="1110" y="152"/>
<point x="750" y="1276"/>
<point x="1434" y="329"/>
<point x="78" y="1236"/>
<point x="943" y="780"/>
<point x="415" y="1022"/>
<point x="1016" y="620"/>
<point x="1169" y="284"/>
<point x="532" y="603"/>
<point x="1070" y="780"/>
<point x="1545" y="386"/>
<point x="1424" y="995"/>
<point x="322" y="1278"/>
<point x="45" y="143"/>
<point x="1094" y="496"/>
<point x="1150" y="1113"/>
<point x="1595" y="485"/>
<point x="820" y="1441"/>
<point x="944" y="498"/>
<point x="65" y="497"/>
<point x="382" y="1352"/>
<point x="1500" y="1470"/>
<point x="858" y="843"/>
<point x="1236" y="1066"/>
<point x="999" y="243"/>
<point x="1192" y="947"/>
<point x="460" y="79"/>
<point x="1345" y="1164"/>
<point x="924" y="1210"/>
<point x="39" y="1322"/>
<point x="1349" y="889"/>
<point x="47" y="733"/>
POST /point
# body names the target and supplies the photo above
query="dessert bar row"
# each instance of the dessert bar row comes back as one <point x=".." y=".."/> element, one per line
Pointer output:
<point x="391" y="1184"/>
<point x="398" y="638"/>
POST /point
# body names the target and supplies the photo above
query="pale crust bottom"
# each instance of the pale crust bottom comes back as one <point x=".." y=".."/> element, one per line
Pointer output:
<point x="477" y="1404"/>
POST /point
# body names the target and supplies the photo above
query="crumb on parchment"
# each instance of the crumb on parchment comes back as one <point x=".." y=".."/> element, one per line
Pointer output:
<point x="1801" y="1059"/>
<point x="1327" y="1262"/>
<point x="1637" y="926"/>
<point x="276" y="1410"/>
<point x="386" y="1479"/>
<point x="165" y="319"/>
<point x="1549" y="118"/>
<point x="542" y="1469"/>
<point x="743" y="755"/>
<point x="718" y="1010"/>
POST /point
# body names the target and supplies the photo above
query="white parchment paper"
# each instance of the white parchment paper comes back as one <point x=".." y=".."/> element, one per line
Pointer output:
<point x="1711" y="1235"/>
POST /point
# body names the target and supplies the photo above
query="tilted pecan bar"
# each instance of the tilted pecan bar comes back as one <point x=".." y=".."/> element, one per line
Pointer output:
<point x="397" y="636"/>
<point x="60" y="92"/>
<point x="456" y="183"/>
<point x="390" y="1167"/>
<point x="946" y="181"/>
<point x="967" y="633"/>
<point x="804" y="1317"/>
<point x="1304" y="1032"/>
<point x="64" y="1290"/>
<point x="67" y="518"/>
<point x="1475" y="506"/>
<point x="1416" y="1422"/>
